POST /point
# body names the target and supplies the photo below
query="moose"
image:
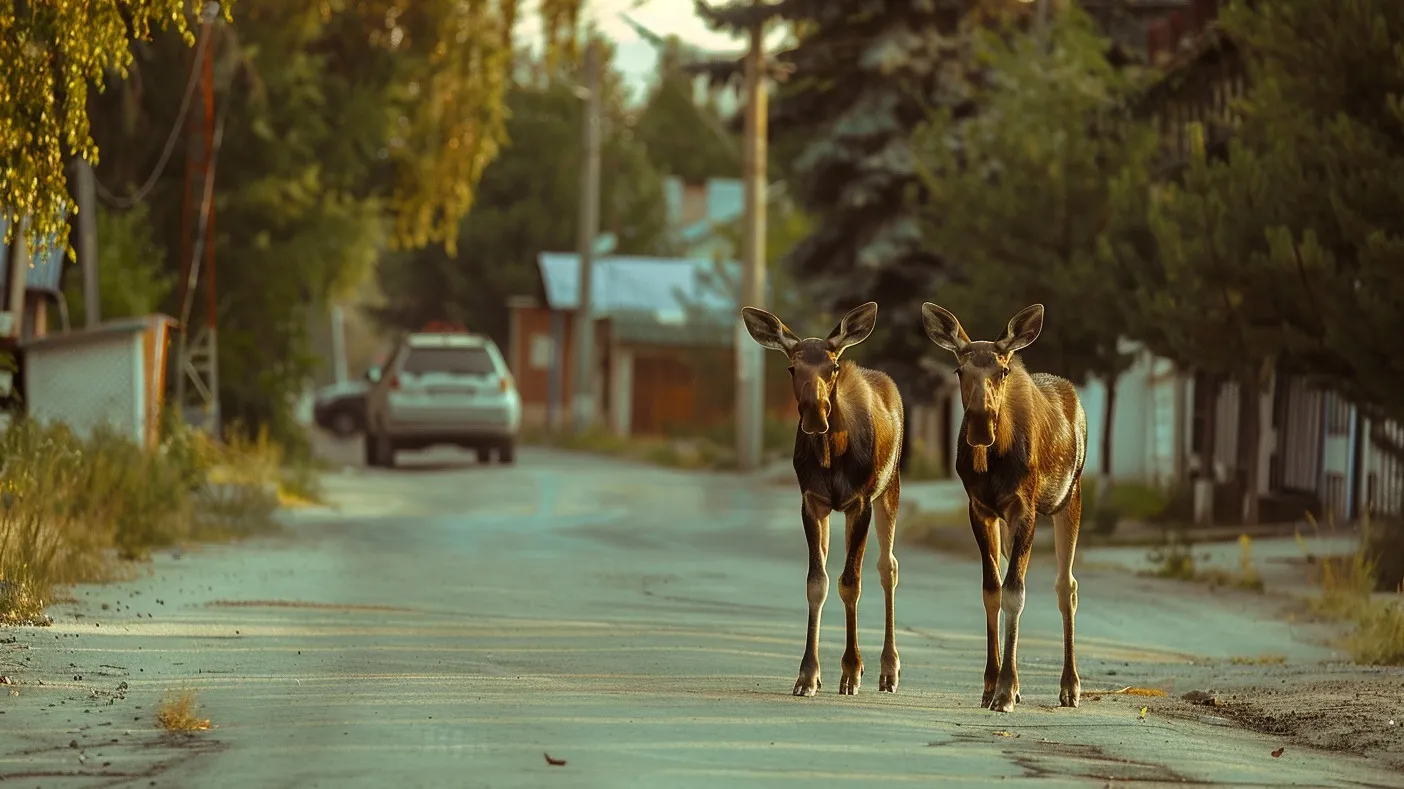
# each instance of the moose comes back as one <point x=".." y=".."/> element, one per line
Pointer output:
<point x="847" y="446"/>
<point x="1022" y="445"/>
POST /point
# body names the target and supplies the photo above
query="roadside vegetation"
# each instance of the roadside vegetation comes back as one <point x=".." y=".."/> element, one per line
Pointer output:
<point x="1351" y="592"/>
<point x="80" y="510"/>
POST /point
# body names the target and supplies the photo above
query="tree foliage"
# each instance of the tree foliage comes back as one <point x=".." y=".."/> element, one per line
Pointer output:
<point x="864" y="75"/>
<point x="1326" y="114"/>
<point x="685" y="138"/>
<point x="528" y="203"/>
<point x="50" y="51"/>
<point x="442" y="66"/>
<point x="1021" y="195"/>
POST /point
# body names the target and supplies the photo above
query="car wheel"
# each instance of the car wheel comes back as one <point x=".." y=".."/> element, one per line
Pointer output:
<point x="344" y="424"/>
<point x="507" y="453"/>
<point x="484" y="455"/>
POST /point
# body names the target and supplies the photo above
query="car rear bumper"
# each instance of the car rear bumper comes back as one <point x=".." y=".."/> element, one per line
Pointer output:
<point x="457" y="426"/>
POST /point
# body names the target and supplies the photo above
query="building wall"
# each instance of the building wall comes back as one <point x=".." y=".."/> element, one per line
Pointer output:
<point x="532" y="351"/>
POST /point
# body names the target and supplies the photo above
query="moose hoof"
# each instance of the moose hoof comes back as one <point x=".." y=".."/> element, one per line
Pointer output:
<point x="849" y="682"/>
<point x="808" y="684"/>
<point x="1070" y="696"/>
<point x="891" y="670"/>
<point x="1004" y="701"/>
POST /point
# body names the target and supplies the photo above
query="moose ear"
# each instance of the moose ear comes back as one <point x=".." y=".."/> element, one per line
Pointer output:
<point x="943" y="328"/>
<point x="1022" y="330"/>
<point x="768" y="330"/>
<point x="854" y="328"/>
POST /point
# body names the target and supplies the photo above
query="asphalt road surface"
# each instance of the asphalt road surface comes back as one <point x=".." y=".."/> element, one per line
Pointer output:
<point x="452" y="623"/>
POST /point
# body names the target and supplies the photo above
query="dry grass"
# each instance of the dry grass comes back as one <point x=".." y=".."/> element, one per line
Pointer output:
<point x="178" y="714"/>
<point x="1175" y="558"/>
<point x="1347" y="585"/>
<point x="75" y="510"/>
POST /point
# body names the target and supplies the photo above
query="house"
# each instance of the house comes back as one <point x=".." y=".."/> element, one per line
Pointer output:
<point x="663" y="341"/>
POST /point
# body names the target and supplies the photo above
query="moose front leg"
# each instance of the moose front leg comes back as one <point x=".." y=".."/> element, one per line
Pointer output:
<point x="1021" y="519"/>
<point x="985" y="523"/>
<point x="856" y="522"/>
<point x="816" y="534"/>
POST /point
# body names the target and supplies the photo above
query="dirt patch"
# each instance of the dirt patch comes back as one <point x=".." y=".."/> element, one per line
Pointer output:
<point x="1357" y="710"/>
<point x="299" y="604"/>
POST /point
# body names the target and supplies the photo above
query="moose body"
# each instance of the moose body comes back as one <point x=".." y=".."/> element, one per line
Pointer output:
<point x="847" y="446"/>
<point x="1020" y="454"/>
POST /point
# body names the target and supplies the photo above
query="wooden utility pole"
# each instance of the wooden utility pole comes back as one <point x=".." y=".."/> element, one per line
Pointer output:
<point x="87" y="241"/>
<point x="750" y="361"/>
<point x="583" y="380"/>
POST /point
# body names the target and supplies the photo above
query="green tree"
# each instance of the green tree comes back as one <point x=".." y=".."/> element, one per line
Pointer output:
<point x="527" y="204"/>
<point x="1021" y="197"/>
<point x="49" y="52"/>
<point x="443" y="65"/>
<point x="132" y="277"/>
<point x="683" y="137"/>
<point x="863" y="76"/>
<point x="1325" y="112"/>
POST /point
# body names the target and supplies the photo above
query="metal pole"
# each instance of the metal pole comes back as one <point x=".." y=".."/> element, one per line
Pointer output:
<point x="582" y="385"/>
<point x="750" y="363"/>
<point x="87" y="242"/>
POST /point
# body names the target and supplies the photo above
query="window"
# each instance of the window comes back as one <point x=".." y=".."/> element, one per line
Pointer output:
<point x="459" y="361"/>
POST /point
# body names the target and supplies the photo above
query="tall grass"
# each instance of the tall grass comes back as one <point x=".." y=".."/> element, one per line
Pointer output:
<point x="72" y="509"/>
<point x="1348" y="585"/>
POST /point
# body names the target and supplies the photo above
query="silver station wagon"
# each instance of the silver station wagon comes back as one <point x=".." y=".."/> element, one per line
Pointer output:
<point x="442" y="388"/>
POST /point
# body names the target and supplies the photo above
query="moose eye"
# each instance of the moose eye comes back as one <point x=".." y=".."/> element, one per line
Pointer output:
<point x="835" y="370"/>
<point x="957" y="372"/>
<point x="1003" y="373"/>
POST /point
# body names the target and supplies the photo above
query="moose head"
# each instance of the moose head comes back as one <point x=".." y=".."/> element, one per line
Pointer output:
<point x="814" y="363"/>
<point x="984" y="367"/>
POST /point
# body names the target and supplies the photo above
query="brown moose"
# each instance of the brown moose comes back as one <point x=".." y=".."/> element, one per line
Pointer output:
<point x="1020" y="453"/>
<point x="846" y="450"/>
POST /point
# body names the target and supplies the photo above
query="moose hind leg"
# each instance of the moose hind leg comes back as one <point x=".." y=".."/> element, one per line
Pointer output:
<point x="886" y="516"/>
<point x="816" y="534"/>
<point x="856" y="523"/>
<point x="1065" y="528"/>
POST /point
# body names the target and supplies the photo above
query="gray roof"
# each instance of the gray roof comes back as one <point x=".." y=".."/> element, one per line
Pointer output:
<point x="669" y="288"/>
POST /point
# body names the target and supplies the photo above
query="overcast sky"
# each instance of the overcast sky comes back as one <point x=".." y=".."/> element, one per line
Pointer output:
<point x="636" y="58"/>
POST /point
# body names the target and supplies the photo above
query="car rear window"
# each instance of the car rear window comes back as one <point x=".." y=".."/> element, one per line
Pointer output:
<point x="459" y="361"/>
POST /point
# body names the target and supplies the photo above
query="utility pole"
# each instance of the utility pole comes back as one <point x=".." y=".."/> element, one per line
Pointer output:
<point x="87" y="241"/>
<point x="750" y="362"/>
<point x="583" y="380"/>
<point x="197" y="353"/>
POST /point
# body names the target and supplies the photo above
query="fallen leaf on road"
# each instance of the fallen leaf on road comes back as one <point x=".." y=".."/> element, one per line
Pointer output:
<point x="553" y="762"/>
<point x="1144" y="710"/>
<point x="1277" y="754"/>
<point x="1133" y="691"/>
<point x="1004" y="734"/>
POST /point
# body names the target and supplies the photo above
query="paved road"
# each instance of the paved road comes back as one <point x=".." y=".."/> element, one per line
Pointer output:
<point x="453" y="622"/>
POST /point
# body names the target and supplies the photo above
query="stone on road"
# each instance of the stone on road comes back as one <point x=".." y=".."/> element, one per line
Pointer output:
<point x="455" y="623"/>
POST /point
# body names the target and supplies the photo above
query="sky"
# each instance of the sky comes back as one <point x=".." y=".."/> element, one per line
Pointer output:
<point x="636" y="58"/>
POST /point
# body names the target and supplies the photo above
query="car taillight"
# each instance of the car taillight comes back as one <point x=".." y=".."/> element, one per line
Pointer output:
<point x="505" y="383"/>
<point x="394" y="382"/>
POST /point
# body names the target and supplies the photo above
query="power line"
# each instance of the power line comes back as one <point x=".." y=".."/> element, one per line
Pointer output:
<point x="206" y="24"/>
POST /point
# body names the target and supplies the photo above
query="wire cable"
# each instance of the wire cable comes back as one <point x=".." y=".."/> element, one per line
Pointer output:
<point x="141" y="193"/>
